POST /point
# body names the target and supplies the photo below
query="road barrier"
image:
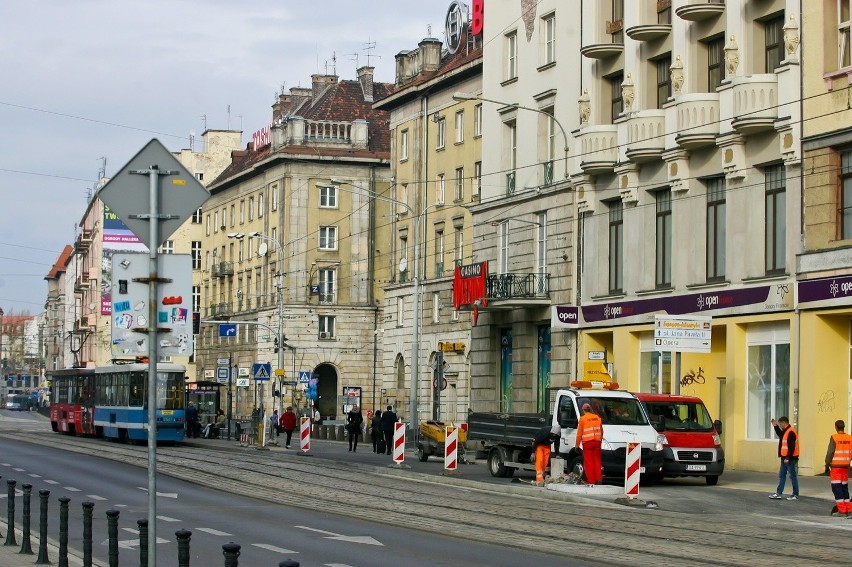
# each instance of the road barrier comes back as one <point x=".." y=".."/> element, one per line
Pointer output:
<point x="451" y="448"/>
<point x="305" y="434"/>
<point x="631" y="470"/>
<point x="398" y="442"/>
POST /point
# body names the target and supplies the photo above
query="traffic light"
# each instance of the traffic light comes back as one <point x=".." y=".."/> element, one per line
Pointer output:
<point x="275" y="344"/>
<point x="196" y="323"/>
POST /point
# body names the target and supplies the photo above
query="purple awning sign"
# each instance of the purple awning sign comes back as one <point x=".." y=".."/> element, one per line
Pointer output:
<point x="834" y="290"/>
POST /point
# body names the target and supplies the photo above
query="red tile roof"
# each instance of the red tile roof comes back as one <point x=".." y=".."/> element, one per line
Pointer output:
<point x="60" y="264"/>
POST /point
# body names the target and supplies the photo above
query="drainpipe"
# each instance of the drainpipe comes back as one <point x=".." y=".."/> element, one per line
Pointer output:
<point x="796" y="313"/>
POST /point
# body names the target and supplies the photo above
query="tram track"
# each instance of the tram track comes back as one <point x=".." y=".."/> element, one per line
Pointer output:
<point x="529" y="521"/>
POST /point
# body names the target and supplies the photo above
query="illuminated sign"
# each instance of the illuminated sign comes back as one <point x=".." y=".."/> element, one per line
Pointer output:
<point x="451" y="347"/>
<point x="469" y="285"/>
<point x="454" y="24"/>
<point x="261" y="138"/>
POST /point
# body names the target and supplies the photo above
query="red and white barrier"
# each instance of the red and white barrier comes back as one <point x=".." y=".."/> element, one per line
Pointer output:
<point x="398" y="442"/>
<point x="305" y="434"/>
<point x="451" y="448"/>
<point x="631" y="469"/>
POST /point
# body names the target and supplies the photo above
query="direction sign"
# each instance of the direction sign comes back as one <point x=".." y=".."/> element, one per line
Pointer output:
<point x="304" y="376"/>
<point x="228" y="330"/>
<point x="261" y="371"/>
<point x="683" y="333"/>
<point x="289" y="383"/>
<point x="222" y="374"/>
<point x="223" y="361"/>
<point x="179" y="194"/>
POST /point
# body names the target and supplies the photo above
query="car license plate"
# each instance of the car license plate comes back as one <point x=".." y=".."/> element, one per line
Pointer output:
<point x="641" y="470"/>
<point x="696" y="467"/>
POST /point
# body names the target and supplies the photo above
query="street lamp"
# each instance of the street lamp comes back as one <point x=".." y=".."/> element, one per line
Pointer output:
<point x="460" y="96"/>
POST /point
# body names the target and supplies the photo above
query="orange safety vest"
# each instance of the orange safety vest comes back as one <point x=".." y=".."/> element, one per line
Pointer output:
<point x="785" y="446"/>
<point x="590" y="428"/>
<point x="842" y="450"/>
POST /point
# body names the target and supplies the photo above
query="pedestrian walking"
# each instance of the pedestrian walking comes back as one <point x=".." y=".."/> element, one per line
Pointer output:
<point x="788" y="451"/>
<point x="837" y="458"/>
<point x="590" y="434"/>
<point x="354" y="420"/>
<point x="541" y="448"/>
<point x="387" y="421"/>
<point x="288" y="423"/>
<point x="191" y="420"/>
<point x="376" y="432"/>
<point x="273" y="424"/>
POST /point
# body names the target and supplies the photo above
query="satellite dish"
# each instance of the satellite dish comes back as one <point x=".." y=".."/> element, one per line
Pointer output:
<point x="261" y="250"/>
<point x="403" y="264"/>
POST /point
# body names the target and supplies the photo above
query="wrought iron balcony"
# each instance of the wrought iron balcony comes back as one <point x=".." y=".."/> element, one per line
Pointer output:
<point x="510" y="183"/>
<point x="548" y="173"/>
<point x="517" y="286"/>
<point x="220" y="310"/>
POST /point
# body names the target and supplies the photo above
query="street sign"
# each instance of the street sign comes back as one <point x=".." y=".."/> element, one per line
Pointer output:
<point x="683" y="333"/>
<point x="443" y="383"/>
<point x="304" y="376"/>
<point x="597" y="355"/>
<point x="289" y="383"/>
<point x="223" y="361"/>
<point x="242" y="382"/>
<point x="127" y="194"/>
<point x="228" y="330"/>
<point x="261" y="371"/>
<point x="280" y="372"/>
<point x="222" y="374"/>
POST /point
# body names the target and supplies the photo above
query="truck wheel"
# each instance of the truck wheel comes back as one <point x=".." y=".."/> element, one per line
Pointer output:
<point x="422" y="455"/>
<point x="712" y="480"/>
<point x="495" y="463"/>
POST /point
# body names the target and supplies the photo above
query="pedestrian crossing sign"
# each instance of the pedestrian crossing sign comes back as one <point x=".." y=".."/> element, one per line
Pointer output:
<point x="261" y="371"/>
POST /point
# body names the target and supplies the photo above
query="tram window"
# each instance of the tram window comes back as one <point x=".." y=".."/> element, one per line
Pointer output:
<point x="169" y="390"/>
<point x="137" y="389"/>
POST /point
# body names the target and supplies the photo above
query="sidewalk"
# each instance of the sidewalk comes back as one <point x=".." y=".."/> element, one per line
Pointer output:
<point x="10" y="556"/>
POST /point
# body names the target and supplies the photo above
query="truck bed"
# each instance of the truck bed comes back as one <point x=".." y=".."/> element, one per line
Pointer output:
<point x="505" y="428"/>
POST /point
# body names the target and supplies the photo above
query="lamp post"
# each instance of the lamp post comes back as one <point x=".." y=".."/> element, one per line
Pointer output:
<point x="459" y="96"/>
<point x="279" y="337"/>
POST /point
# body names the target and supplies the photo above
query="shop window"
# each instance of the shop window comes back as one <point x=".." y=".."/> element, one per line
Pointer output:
<point x="768" y="376"/>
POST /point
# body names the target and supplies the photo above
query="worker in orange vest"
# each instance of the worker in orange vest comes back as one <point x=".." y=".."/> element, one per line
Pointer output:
<point x="541" y="447"/>
<point x="590" y="434"/>
<point x="838" y="457"/>
<point x="788" y="451"/>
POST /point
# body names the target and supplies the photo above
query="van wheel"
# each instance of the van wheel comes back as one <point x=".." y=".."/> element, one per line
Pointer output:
<point x="422" y="455"/>
<point x="712" y="480"/>
<point x="495" y="463"/>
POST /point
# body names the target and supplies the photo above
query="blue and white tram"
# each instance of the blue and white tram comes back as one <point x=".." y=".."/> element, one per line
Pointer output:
<point x="121" y="402"/>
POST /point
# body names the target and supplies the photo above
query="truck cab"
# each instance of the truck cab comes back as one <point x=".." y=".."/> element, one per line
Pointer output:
<point x="693" y="446"/>
<point x="624" y="421"/>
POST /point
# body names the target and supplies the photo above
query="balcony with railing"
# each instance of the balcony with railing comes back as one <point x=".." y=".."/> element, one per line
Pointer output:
<point x="598" y="148"/>
<point x="222" y="269"/>
<point x="217" y="310"/>
<point x="328" y="131"/>
<point x="755" y="103"/>
<point x="518" y="287"/>
<point x="697" y="120"/>
<point x="646" y="135"/>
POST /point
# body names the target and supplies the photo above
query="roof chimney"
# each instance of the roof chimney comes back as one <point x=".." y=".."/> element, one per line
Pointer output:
<point x="298" y="96"/>
<point x="319" y="84"/>
<point x="365" y="77"/>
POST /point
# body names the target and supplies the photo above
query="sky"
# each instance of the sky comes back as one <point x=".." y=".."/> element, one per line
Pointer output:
<point x="85" y="83"/>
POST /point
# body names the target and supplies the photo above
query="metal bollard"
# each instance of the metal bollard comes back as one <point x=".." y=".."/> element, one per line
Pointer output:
<point x="88" y="508"/>
<point x="26" y="546"/>
<point x="143" y="542"/>
<point x="63" y="531"/>
<point x="10" y="525"/>
<point x="183" y="537"/>
<point x="112" y="533"/>
<point x="231" y="551"/>
<point x="43" y="495"/>
<point x="288" y="563"/>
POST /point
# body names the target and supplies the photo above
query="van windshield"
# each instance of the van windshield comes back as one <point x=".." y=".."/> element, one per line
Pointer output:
<point x="616" y="411"/>
<point x="680" y="416"/>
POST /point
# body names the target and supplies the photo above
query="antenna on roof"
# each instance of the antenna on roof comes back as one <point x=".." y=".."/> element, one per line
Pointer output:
<point x="369" y="47"/>
<point x="429" y="30"/>
<point x="354" y="57"/>
<point x="204" y="121"/>
<point x="229" y="117"/>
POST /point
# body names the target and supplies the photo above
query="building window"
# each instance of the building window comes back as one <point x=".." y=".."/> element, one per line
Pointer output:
<point x="716" y="218"/>
<point x="402" y="197"/>
<point x="403" y="145"/>
<point x="844" y="57"/>
<point x="616" y="247"/>
<point x="768" y="359"/>
<point x="460" y="126"/>
<point x="503" y="252"/>
<point x="242" y="211"/>
<point x="442" y="133"/>
<point x="436" y="307"/>
<point x="775" y="185"/>
<point x="715" y="63"/>
<point x="207" y="261"/>
<point x="196" y="216"/>
<point x="477" y="177"/>
<point x="541" y="248"/>
<point x="400" y="311"/>
<point x="260" y="206"/>
<point x="326" y="286"/>
<point x="617" y="104"/>
<point x="511" y="55"/>
<point x="617" y="24"/>
<point x="664" y="12"/>
<point x="326" y="326"/>
<point x="403" y="255"/>
<point x="216" y="222"/>
<point x="328" y="238"/>
<point x="664" y="80"/>
<point x="240" y="251"/>
<point x="251" y="209"/>
<point x="550" y="125"/>
<point x="477" y="121"/>
<point x="168" y="247"/>
<point x="196" y="299"/>
<point x="439" y="253"/>
<point x="512" y="145"/>
<point x="664" y="238"/>
<point x="207" y="227"/>
<point x="774" y="30"/>
<point x="845" y="195"/>
<point x="458" y="246"/>
<point x="196" y="254"/>
<point x="273" y="196"/>
<point x="328" y="196"/>
<point x="548" y="37"/>
<point x="459" y="183"/>
<point x="440" y="189"/>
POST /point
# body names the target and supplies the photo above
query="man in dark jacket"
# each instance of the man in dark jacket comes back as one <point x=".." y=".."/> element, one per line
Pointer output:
<point x="191" y="420"/>
<point x="388" y="419"/>
<point x="541" y="447"/>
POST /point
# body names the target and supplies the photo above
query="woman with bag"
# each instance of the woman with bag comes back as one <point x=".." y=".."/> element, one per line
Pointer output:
<point x="354" y="419"/>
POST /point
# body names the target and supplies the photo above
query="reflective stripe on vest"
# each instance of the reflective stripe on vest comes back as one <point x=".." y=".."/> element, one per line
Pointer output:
<point x="592" y="428"/>
<point x="842" y="450"/>
<point x="785" y="445"/>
